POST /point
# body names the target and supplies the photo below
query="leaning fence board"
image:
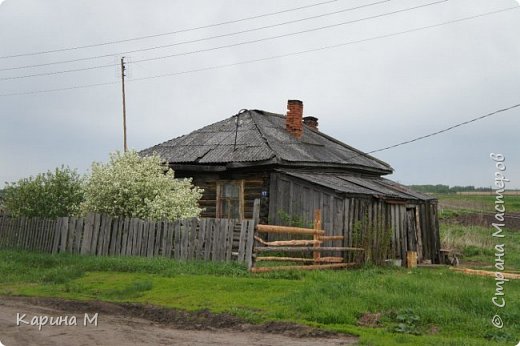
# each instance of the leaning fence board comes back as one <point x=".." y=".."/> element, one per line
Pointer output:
<point x="249" y="243"/>
<point x="242" y="241"/>
<point x="304" y="267"/>
<point x="287" y="229"/>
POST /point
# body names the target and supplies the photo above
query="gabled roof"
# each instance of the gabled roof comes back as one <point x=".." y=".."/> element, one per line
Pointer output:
<point x="259" y="139"/>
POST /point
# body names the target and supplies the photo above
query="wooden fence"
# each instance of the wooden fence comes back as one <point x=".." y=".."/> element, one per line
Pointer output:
<point x="98" y="234"/>
<point x="299" y="246"/>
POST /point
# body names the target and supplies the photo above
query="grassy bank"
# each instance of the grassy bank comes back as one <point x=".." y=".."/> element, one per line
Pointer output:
<point x="417" y="307"/>
<point x="477" y="245"/>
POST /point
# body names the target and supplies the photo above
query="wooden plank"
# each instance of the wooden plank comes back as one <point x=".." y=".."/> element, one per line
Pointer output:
<point x="286" y="229"/>
<point x="299" y="259"/>
<point x="43" y="242"/>
<point x="139" y="240"/>
<point x="151" y="238"/>
<point x="214" y="239"/>
<point x="30" y="233"/>
<point x="185" y="236"/>
<point x="25" y="233"/>
<point x="193" y="239"/>
<point x="306" y="249"/>
<point x="509" y="276"/>
<point x="131" y="237"/>
<point x="210" y="230"/>
<point x="158" y="238"/>
<point x="107" y="235"/>
<point x="297" y="242"/>
<point x="177" y="240"/>
<point x="229" y="239"/>
<point x="331" y="237"/>
<point x="57" y="235"/>
<point x="114" y="236"/>
<point x="124" y="237"/>
<point x="242" y="241"/>
<point x="317" y="226"/>
<point x="76" y="248"/>
<point x="168" y="243"/>
<point x="249" y="244"/>
<point x="135" y="249"/>
<point x="305" y="267"/>
<point x="216" y="246"/>
<point x="72" y="233"/>
<point x="32" y="243"/>
<point x="223" y="241"/>
<point x="202" y="239"/>
<point x="145" y="226"/>
<point x="95" y="234"/>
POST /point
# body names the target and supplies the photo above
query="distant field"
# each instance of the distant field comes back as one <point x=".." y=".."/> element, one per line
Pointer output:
<point x="477" y="202"/>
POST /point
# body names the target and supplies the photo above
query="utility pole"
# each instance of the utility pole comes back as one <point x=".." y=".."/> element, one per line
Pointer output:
<point x="124" y="102"/>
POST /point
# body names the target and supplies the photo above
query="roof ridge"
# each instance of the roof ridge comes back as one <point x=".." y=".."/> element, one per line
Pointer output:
<point x="274" y="154"/>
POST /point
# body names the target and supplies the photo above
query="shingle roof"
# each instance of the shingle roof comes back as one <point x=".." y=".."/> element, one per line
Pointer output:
<point x="261" y="137"/>
<point x="346" y="183"/>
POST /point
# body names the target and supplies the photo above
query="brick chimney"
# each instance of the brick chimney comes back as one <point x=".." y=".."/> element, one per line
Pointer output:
<point x="293" y="120"/>
<point x="312" y="122"/>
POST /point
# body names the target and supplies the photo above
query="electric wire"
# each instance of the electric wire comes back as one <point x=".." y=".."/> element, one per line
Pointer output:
<point x="167" y="33"/>
<point x="271" y="57"/>
<point x="227" y="46"/>
<point x="191" y="41"/>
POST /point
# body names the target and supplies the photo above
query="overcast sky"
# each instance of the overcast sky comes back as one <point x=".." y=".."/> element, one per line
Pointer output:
<point x="369" y="94"/>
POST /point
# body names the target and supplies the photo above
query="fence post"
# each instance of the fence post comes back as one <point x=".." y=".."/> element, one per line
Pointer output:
<point x="316" y="255"/>
<point x="252" y="233"/>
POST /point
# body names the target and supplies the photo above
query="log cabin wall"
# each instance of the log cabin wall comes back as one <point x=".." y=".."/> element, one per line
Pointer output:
<point x="253" y="185"/>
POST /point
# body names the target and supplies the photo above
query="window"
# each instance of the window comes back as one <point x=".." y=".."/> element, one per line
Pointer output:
<point x="230" y="199"/>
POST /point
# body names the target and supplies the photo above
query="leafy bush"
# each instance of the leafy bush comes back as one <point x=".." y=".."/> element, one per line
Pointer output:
<point x="49" y="195"/>
<point x="144" y="187"/>
<point x="407" y="322"/>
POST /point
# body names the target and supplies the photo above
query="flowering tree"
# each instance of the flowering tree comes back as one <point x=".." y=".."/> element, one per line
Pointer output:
<point x="52" y="194"/>
<point x="143" y="187"/>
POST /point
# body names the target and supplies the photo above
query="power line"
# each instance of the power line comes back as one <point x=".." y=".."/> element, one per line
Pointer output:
<point x="229" y="45"/>
<point x="440" y="131"/>
<point x="271" y="57"/>
<point x="192" y="41"/>
<point x="167" y="33"/>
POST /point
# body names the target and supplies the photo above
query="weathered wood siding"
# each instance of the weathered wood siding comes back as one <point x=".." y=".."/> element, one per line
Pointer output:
<point x="413" y="226"/>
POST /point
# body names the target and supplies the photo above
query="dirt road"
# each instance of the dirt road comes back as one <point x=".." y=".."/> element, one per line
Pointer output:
<point x="127" y="324"/>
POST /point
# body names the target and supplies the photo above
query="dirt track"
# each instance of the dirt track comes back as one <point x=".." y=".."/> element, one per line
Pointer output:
<point x="130" y="324"/>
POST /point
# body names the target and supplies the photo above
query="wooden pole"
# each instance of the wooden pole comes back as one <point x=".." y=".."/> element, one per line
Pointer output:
<point x="125" y="146"/>
<point x="305" y="249"/>
<point x="308" y="267"/>
<point x="287" y="229"/>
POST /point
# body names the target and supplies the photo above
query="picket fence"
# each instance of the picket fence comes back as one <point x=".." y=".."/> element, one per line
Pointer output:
<point x="98" y="234"/>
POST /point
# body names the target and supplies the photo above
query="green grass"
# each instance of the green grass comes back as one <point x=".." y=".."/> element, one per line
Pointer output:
<point x="477" y="245"/>
<point x="444" y="307"/>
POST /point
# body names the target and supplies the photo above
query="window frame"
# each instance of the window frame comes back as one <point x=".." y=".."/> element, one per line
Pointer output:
<point x="220" y="184"/>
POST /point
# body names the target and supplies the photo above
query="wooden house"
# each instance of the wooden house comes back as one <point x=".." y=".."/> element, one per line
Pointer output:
<point x="290" y="165"/>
